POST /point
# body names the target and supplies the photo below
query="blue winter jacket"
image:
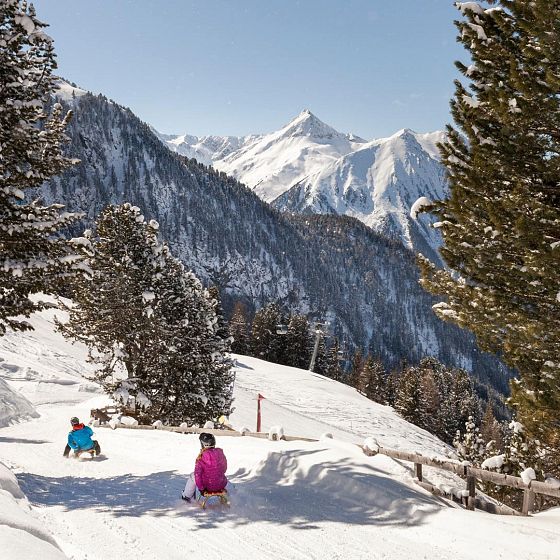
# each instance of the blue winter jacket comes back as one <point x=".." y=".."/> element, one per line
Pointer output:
<point x="80" y="437"/>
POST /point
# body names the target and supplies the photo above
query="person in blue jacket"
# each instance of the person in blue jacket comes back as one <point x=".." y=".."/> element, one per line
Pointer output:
<point x="79" y="439"/>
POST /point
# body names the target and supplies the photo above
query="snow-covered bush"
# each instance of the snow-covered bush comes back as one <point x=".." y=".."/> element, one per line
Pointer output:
<point x="157" y="424"/>
<point x="276" y="433"/>
<point x="209" y="425"/>
<point x="370" y="446"/>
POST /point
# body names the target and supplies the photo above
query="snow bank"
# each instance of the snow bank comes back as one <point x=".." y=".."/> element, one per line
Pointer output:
<point x="371" y="447"/>
<point x="14" y="406"/>
<point x="128" y="421"/>
<point x="21" y="535"/>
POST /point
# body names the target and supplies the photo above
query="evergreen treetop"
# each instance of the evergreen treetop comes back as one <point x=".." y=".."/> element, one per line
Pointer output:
<point x="33" y="255"/>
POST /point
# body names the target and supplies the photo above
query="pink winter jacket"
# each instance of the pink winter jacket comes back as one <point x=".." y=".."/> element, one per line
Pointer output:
<point x="210" y="470"/>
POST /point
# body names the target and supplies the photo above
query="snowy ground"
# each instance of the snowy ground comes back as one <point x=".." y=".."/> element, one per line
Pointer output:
<point x="290" y="500"/>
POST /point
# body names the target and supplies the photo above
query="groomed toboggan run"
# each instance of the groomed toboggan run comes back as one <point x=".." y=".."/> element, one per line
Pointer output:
<point x="290" y="500"/>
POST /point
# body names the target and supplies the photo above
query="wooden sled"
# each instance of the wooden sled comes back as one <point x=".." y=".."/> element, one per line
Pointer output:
<point x="221" y="496"/>
<point x="91" y="452"/>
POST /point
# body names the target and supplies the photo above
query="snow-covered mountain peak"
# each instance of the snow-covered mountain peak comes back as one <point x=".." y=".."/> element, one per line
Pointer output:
<point x="307" y="124"/>
<point x="308" y="166"/>
<point x="67" y="91"/>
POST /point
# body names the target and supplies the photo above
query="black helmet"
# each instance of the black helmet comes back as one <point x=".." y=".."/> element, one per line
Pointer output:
<point x="207" y="440"/>
<point x="74" y="421"/>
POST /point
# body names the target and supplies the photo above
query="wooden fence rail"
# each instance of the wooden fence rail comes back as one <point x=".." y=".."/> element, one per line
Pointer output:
<point x="471" y="474"/>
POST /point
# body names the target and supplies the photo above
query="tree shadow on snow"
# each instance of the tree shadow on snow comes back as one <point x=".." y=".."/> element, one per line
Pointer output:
<point x="278" y="492"/>
<point x="5" y="439"/>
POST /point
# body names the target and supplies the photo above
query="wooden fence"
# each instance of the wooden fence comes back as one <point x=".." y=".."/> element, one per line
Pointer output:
<point x="470" y="474"/>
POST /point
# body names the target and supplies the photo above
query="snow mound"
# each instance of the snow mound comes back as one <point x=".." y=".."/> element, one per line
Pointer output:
<point x="21" y="536"/>
<point x="14" y="406"/>
<point x="276" y="433"/>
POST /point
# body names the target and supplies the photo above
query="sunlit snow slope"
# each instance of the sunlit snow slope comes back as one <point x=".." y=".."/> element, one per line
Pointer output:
<point x="295" y="500"/>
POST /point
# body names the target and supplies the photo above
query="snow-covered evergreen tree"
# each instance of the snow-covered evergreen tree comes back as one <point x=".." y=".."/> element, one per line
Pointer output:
<point x="114" y="303"/>
<point x="33" y="255"/>
<point x="193" y="380"/>
<point x="470" y="445"/>
<point x="214" y="293"/>
<point x="521" y="454"/>
<point x="501" y="223"/>
<point x="149" y="325"/>
<point x="432" y="402"/>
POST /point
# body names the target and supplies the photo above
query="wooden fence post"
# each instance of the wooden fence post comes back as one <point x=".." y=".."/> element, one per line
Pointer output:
<point x="528" y="501"/>
<point x="418" y="470"/>
<point x="471" y="487"/>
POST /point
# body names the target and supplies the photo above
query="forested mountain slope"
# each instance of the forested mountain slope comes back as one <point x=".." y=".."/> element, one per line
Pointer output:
<point x="326" y="266"/>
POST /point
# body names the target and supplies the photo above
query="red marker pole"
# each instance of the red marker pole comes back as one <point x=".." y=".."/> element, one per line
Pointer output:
<point x="259" y="399"/>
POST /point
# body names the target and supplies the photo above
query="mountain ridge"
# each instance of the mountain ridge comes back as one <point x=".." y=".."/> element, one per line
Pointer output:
<point x="307" y="166"/>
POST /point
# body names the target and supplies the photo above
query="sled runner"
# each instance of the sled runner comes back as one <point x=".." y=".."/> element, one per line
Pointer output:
<point x="81" y="453"/>
<point x="208" y="497"/>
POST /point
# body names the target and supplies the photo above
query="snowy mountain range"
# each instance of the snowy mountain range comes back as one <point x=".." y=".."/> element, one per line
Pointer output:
<point x="309" y="167"/>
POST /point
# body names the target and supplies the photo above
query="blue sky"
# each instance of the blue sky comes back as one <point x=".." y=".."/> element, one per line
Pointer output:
<point x="237" y="67"/>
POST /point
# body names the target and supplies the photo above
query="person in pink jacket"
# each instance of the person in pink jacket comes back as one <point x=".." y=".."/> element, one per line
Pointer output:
<point x="209" y="470"/>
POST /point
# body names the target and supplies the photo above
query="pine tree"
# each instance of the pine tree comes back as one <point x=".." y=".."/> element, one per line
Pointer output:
<point x="355" y="377"/>
<point x="490" y="429"/>
<point x="33" y="255"/>
<point x="149" y="325"/>
<point x="239" y="327"/>
<point x="409" y="401"/>
<point x="113" y="303"/>
<point x="267" y="344"/>
<point x="432" y="402"/>
<point x="470" y="446"/>
<point x="501" y="223"/>
<point x="193" y="380"/>
<point x="520" y="452"/>
<point x="298" y="342"/>
<point x="333" y="368"/>
<point x="392" y="387"/>
<point x="371" y="380"/>
<point x="223" y="327"/>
